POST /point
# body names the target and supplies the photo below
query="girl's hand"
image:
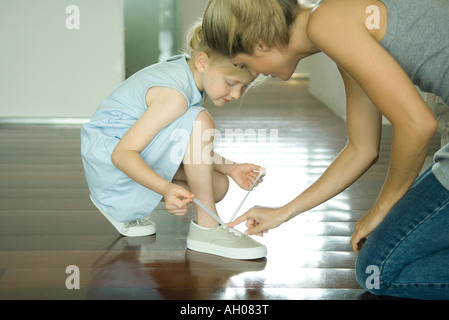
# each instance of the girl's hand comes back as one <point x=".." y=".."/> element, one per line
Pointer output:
<point x="245" y="175"/>
<point x="177" y="200"/>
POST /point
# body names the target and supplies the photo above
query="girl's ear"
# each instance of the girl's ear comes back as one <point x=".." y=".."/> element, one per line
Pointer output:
<point x="201" y="61"/>
<point x="262" y="47"/>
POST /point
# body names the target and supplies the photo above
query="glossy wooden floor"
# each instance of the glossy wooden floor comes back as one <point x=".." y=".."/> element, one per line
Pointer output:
<point x="47" y="222"/>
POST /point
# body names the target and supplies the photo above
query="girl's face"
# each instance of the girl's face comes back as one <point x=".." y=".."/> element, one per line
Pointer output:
<point x="269" y="61"/>
<point x="221" y="85"/>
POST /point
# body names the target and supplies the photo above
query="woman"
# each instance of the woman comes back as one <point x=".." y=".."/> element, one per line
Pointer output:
<point x="382" y="49"/>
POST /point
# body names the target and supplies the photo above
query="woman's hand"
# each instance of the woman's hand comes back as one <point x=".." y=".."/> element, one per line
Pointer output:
<point x="245" y="175"/>
<point x="177" y="200"/>
<point x="364" y="227"/>
<point x="259" y="220"/>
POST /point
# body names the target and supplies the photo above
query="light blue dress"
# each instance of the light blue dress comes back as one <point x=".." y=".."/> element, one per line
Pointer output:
<point x="110" y="188"/>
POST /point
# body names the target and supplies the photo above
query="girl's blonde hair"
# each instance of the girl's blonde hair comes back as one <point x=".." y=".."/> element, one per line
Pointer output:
<point x="234" y="26"/>
<point x="196" y="44"/>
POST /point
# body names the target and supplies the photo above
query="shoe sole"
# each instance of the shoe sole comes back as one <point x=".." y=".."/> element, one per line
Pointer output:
<point x="137" y="232"/>
<point x="231" y="253"/>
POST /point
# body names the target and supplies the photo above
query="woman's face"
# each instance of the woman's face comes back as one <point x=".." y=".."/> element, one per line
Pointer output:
<point x="269" y="61"/>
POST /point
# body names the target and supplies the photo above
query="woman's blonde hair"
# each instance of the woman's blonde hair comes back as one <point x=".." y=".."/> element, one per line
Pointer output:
<point x="231" y="27"/>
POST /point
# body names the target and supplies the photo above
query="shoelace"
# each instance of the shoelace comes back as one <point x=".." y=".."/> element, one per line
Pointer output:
<point x="261" y="173"/>
<point x="144" y="221"/>
<point x="232" y="230"/>
<point x="141" y="222"/>
<point x="213" y="215"/>
<point x="217" y="218"/>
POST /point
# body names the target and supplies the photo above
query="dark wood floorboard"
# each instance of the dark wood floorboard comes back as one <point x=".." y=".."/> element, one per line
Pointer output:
<point x="47" y="221"/>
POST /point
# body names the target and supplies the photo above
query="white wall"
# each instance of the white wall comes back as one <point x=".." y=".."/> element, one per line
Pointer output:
<point x="48" y="70"/>
<point x="327" y="85"/>
<point x="191" y="10"/>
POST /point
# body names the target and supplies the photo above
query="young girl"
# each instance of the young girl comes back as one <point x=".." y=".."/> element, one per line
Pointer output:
<point x="151" y="139"/>
<point x="382" y="49"/>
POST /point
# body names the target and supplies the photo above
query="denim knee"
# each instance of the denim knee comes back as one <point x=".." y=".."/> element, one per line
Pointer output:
<point x="367" y="271"/>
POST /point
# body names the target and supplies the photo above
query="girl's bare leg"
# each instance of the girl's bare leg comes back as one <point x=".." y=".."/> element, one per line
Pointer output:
<point x="221" y="183"/>
<point x="208" y="185"/>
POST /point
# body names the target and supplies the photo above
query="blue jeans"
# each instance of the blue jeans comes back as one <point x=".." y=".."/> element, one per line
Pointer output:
<point x="408" y="254"/>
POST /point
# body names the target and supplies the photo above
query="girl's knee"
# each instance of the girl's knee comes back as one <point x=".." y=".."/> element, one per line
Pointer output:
<point x="204" y="121"/>
<point x="221" y="186"/>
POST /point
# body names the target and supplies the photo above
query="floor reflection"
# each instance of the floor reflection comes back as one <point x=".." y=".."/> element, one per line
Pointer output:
<point x="47" y="221"/>
<point x="145" y="263"/>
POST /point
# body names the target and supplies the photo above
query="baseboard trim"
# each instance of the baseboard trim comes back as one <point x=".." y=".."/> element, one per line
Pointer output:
<point x="43" y="121"/>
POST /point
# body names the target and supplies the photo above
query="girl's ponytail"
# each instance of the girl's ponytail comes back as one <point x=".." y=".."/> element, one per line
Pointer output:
<point x="195" y="41"/>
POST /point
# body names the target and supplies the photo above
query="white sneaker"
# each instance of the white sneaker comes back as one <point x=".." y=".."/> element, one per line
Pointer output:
<point x="138" y="228"/>
<point x="225" y="242"/>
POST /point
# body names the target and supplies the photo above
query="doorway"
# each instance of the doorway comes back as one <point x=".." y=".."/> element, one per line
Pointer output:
<point x="152" y="32"/>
